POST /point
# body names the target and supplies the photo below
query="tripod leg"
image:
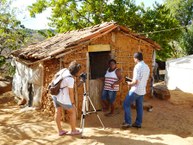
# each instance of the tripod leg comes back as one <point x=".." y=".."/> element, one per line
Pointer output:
<point x="81" y="121"/>
<point x="82" y="126"/>
<point x="85" y="109"/>
<point x="101" y="121"/>
<point x="83" y="114"/>
<point x="96" y="112"/>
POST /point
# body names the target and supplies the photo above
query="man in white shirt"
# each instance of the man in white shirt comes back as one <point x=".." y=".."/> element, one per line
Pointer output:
<point x="65" y="98"/>
<point x="138" y="90"/>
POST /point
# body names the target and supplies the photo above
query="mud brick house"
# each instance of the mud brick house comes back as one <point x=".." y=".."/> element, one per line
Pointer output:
<point x="92" y="47"/>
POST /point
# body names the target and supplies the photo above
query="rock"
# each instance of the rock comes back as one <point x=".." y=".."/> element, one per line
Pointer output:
<point x="160" y="91"/>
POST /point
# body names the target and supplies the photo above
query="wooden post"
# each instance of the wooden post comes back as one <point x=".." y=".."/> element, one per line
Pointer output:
<point x="88" y="73"/>
<point x="43" y="89"/>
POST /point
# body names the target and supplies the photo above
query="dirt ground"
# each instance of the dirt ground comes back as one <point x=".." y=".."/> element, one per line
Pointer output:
<point x="170" y="123"/>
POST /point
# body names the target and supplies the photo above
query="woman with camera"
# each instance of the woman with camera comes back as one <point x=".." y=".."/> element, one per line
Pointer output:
<point x="65" y="98"/>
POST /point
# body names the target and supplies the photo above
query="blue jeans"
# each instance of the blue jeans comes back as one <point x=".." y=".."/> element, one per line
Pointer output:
<point x="109" y="96"/>
<point x="130" y="98"/>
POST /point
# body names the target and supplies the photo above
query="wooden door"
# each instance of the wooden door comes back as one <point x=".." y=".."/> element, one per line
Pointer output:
<point x="98" y="67"/>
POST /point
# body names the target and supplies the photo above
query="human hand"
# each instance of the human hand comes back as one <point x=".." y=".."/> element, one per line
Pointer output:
<point x="129" y="83"/>
<point x="112" y="85"/>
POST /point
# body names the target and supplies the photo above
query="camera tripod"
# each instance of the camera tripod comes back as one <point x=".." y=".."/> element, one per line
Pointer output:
<point x="85" y="109"/>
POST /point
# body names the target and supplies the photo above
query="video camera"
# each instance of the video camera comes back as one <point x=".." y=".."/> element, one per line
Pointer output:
<point x="83" y="77"/>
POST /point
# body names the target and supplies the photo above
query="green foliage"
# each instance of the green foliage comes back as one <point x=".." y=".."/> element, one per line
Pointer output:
<point x="181" y="9"/>
<point x="159" y="26"/>
<point x="12" y="34"/>
<point x="2" y="60"/>
<point x="72" y="14"/>
<point x="46" y="33"/>
<point x="186" y="40"/>
<point x="38" y="7"/>
<point x="11" y="69"/>
<point x="126" y="13"/>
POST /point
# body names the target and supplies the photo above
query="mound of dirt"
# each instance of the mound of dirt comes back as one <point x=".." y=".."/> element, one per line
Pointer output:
<point x="181" y="98"/>
<point x="7" y="98"/>
<point x="5" y="85"/>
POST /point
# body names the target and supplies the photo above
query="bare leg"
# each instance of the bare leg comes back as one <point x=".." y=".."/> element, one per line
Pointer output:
<point x="58" y="113"/>
<point x="105" y="105"/>
<point x="72" y="112"/>
<point x="112" y="108"/>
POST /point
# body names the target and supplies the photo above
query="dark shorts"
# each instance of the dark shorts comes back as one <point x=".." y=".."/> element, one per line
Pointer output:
<point x="58" y="104"/>
<point x="109" y="95"/>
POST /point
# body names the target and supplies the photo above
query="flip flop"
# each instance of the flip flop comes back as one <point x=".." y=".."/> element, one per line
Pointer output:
<point x="61" y="133"/>
<point x="76" y="132"/>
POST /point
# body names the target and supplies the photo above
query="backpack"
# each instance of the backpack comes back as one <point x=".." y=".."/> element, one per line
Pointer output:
<point x="54" y="89"/>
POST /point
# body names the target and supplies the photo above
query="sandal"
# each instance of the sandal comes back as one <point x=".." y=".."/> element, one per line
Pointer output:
<point x="61" y="133"/>
<point x="76" y="132"/>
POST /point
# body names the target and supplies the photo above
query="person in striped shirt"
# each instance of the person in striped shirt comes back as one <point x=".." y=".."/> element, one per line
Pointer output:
<point x="112" y="80"/>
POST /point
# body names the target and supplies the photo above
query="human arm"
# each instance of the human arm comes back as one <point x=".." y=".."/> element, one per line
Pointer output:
<point x="70" y="85"/>
<point x="71" y="94"/>
<point x="135" y="79"/>
<point x="120" y="78"/>
<point x="133" y="82"/>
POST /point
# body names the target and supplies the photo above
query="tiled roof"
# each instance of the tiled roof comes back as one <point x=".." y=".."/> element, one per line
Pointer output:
<point x="62" y="42"/>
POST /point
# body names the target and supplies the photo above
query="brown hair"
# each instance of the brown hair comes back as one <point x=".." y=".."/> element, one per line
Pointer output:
<point x="74" y="67"/>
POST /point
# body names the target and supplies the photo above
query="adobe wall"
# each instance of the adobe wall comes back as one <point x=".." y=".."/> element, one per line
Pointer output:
<point x="50" y="69"/>
<point x="123" y="47"/>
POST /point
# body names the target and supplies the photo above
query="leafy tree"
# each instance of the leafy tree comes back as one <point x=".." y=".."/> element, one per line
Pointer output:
<point x="186" y="40"/>
<point x="72" y="14"/>
<point x="75" y="14"/>
<point x="12" y="34"/>
<point x="181" y="9"/>
<point x="163" y="28"/>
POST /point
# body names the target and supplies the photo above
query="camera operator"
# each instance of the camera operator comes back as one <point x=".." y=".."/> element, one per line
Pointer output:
<point x="65" y="98"/>
<point x="111" y="85"/>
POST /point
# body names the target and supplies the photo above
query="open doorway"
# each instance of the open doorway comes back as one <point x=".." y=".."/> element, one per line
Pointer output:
<point x="98" y="63"/>
<point x="98" y="67"/>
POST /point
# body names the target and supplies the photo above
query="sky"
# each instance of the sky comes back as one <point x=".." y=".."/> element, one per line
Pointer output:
<point x="41" y="21"/>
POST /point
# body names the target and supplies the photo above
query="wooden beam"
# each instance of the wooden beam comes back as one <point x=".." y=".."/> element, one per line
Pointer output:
<point x="100" y="47"/>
